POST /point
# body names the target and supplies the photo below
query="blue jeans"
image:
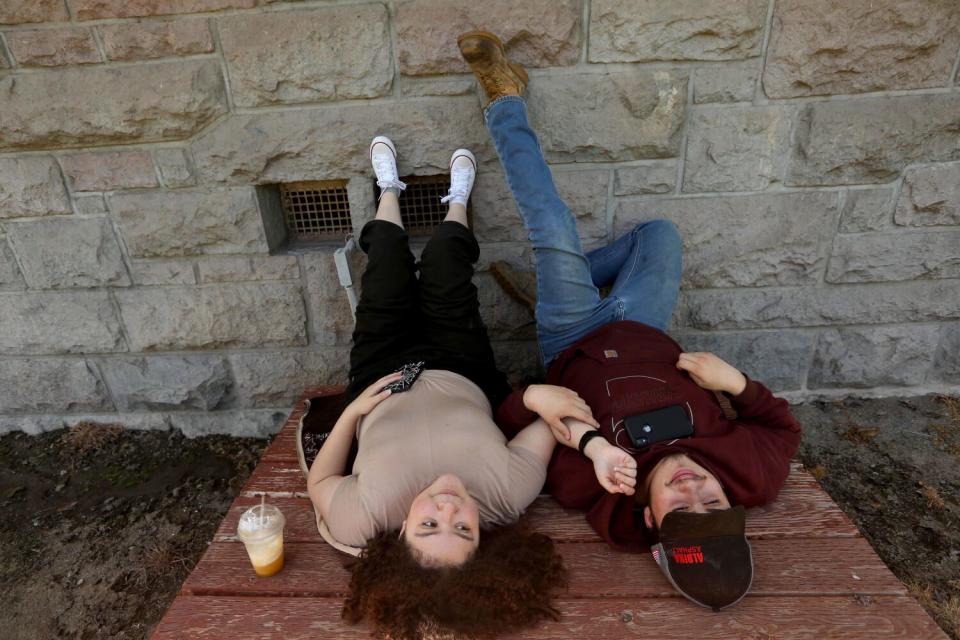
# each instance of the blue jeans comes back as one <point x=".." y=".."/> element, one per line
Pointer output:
<point x="642" y="267"/>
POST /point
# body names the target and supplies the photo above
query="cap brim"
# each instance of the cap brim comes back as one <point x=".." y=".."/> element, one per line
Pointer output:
<point x="706" y="557"/>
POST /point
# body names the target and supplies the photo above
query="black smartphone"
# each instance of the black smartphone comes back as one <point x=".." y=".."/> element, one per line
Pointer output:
<point x="668" y="423"/>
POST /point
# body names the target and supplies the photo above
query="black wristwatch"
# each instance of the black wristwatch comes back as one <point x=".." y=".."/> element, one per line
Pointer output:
<point x="587" y="437"/>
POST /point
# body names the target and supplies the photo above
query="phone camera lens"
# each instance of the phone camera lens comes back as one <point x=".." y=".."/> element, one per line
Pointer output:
<point x="647" y="428"/>
<point x="642" y="441"/>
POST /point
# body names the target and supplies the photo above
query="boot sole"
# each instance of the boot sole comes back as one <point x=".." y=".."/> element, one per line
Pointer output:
<point x="517" y="69"/>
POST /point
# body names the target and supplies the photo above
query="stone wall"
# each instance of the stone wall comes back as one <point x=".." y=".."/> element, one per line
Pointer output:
<point x="809" y="151"/>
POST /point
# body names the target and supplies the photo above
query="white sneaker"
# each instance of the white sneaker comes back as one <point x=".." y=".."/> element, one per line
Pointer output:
<point x="383" y="156"/>
<point x="463" y="170"/>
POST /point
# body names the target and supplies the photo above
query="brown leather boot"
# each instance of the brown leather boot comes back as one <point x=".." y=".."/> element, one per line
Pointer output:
<point x="519" y="285"/>
<point x="499" y="77"/>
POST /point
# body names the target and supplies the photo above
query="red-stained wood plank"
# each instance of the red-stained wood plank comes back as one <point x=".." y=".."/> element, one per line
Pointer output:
<point x="802" y="512"/>
<point x="301" y="524"/>
<point x="796" y="568"/>
<point x="783" y="618"/>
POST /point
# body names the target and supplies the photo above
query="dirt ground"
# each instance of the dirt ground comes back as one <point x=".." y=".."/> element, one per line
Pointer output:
<point x="101" y="525"/>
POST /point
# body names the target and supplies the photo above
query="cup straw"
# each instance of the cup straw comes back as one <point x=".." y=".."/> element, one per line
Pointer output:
<point x="263" y="500"/>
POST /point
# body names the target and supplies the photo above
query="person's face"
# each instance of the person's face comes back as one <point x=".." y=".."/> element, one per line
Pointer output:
<point x="443" y="523"/>
<point x="678" y="483"/>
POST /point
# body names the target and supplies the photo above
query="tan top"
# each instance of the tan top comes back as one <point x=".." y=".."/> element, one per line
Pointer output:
<point x="442" y="424"/>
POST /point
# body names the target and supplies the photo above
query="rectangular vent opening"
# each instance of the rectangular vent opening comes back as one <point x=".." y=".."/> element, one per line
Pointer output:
<point x="316" y="210"/>
<point x="420" y="208"/>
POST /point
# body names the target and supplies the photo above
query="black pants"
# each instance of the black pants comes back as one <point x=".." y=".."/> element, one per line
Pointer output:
<point x="401" y="319"/>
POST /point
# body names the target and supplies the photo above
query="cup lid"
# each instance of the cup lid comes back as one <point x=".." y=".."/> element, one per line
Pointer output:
<point x="254" y="525"/>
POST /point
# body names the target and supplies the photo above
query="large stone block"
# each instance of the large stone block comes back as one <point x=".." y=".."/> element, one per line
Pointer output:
<point x="167" y="382"/>
<point x="329" y="53"/>
<point x="37" y="424"/>
<point x="657" y="177"/>
<point x="778" y="359"/>
<point x="332" y="142"/>
<point x="644" y="30"/>
<point x="174" y="166"/>
<point x="111" y="170"/>
<point x="190" y="221"/>
<point x="53" y="47"/>
<point x="243" y="424"/>
<point x="587" y="117"/>
<point x="145" y="40"/>
<point x="946" y="360"/>
<point x="45" y="385"/>
<point x="496" y="218"/>
<point x="822" y="47"/>
<point x="930" y="195"/>
<point x="818" y="306"/>
<point x="873" y="356"/>
<point x="22" y="11"/>
<point x="737" y="149"/>
<point x="98" y="106"/>
<point x="10" y="276"/>
<point x="896" y="255"/>
<point x="96" y="9"/>
<point x="240" y="268"/>
<point x="63" y="252"/>
<point x="278" y="378"/>
<point x="520" y="360"/>
<point x="214" y="317"/>
<point x="730" y="82"/>
<point x="159" y="272"/>
<point x="504" y="317"/>
<point x="75" y="322"/>
<point x="867" y="210"/>
<point x="31" y="186"/>
<point x="871" y="140"/>
<point x="536" y="33"/>
<point x="330" y="314"/>
<point x="738" y="241"/>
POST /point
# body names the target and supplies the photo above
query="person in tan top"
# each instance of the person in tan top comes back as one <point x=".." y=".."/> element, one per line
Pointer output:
<point x="435" y="485"/>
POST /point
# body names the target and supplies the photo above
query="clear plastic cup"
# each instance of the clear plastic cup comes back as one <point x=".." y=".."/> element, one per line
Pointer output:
<point x="262" y="535"/>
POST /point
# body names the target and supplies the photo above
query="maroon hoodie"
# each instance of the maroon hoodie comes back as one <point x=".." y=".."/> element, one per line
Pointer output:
<point x="626" y="368"/>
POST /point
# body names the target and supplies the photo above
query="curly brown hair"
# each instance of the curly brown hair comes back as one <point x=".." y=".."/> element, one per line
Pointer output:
<point x="506" y="585"/>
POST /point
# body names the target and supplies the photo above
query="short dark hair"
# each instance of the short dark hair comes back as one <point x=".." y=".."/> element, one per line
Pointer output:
<point x="508" y="584"/>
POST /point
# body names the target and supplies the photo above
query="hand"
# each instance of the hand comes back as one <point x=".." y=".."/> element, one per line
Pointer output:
<point x="372" y="395"/>
<point x="710" y="372"/>
<point x="553" y="404"/>
<point x="615" y="468"/>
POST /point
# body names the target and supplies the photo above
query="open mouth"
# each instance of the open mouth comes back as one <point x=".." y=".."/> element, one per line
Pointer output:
<point x="684" y="474"/>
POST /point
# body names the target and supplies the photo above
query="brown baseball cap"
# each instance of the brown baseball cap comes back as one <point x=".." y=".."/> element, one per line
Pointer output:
<point x="706" y="556"/>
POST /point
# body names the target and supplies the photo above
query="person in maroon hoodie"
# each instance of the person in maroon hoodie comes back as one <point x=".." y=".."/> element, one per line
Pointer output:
<point x="615" y="354"/>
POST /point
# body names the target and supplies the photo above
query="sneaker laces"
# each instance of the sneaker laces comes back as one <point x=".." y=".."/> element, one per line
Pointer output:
<point x="384" y="165"/>
<point x="460" y="185"/>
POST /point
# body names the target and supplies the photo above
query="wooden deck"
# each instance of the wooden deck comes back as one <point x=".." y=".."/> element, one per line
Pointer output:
<point x="816" y="577"/>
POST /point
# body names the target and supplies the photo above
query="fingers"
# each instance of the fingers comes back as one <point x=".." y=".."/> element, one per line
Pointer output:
<point x="559" y="428"/>
<point x="387" y="379"/>
<point x="624" y="480"/>
<point x="584" y="416"/>
<point x="626" y="471"/>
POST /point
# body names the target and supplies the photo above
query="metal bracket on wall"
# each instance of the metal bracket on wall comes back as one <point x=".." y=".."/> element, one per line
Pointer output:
<point x="342" y="259"/>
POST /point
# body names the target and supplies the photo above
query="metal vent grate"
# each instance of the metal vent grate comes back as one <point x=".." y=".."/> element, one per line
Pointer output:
<point x="420" y="206"/>
<point x="316" y="210"/>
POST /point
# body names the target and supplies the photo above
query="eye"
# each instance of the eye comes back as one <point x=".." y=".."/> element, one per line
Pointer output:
<point x="429" y="524"/>
<point x="713" y="502"/>
<point x="463" y="526"/>
<point x="681" y="508"/>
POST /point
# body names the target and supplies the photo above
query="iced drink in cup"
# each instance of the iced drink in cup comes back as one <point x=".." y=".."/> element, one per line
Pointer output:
<point x="261" y="531"/>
